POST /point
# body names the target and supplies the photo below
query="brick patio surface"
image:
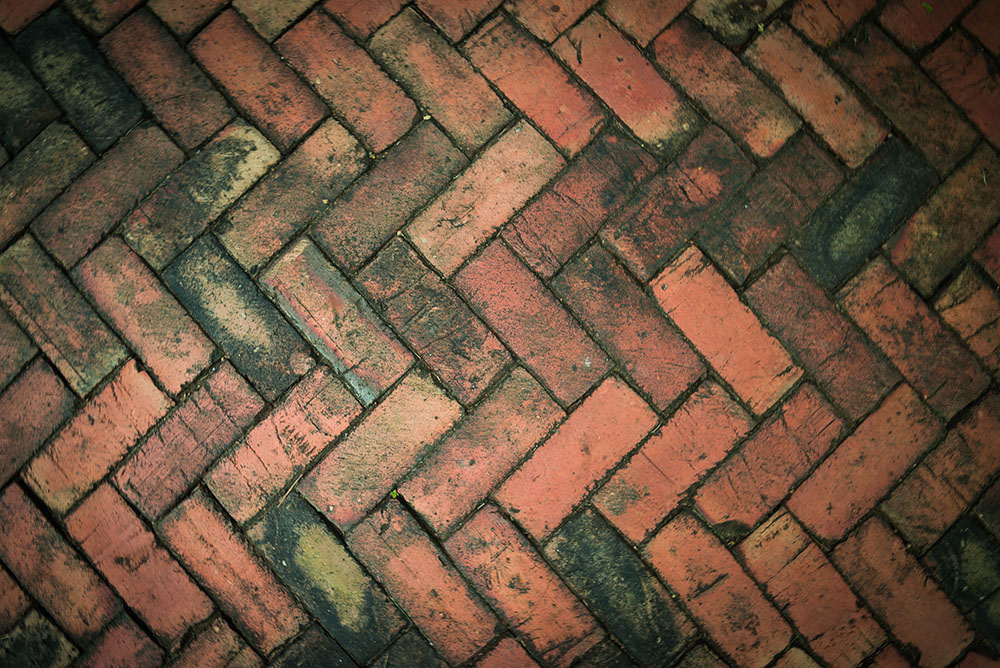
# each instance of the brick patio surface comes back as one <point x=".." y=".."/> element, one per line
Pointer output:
<point x="500" y="334"/>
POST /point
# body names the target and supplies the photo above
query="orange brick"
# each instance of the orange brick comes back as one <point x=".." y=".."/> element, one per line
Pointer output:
<point x="13" y="602"/>
<point x="216" y="646"/>
<point x="185" y="16"/>
<point x="271" y="17"/>
<point x="507" y="653"/>
<point x="363" y="18"/>
<point x="826" y="21"/>
<point x="643" y="19"/>
<point x="456" y="19"/>
<point x="961" y="69"/>
<point x="971" y="306"/>
<point x="123" y="643"/>
<point x="547" y="19"/>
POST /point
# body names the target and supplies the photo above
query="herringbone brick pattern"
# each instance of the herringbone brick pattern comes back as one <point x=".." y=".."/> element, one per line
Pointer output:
<point x="499" y="334"/>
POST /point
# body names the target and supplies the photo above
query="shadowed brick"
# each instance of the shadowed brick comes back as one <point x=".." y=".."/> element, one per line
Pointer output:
<point x="216" y="646"/>
<point x="807" y="170"/>
<point x="185" y="16"/>
<point x="605" y="654"/>
<point x="532" y="322"/>
<point x="411" y="649"/>
<point x="701" y="657"/>
<point x="914" y="25"/>
<point x="13" y="602"/>
<point x="313" y="649"/>
<point x="643" y="19"/>
<point x="282" y="445"/>
<point x="967" y="564"/>
<point x="498" y="183"/>
<point x="561" y="472"/>
<point x="507" y="653"/>
<point x="988" y="254"/>
<point x="548" y="19"/>
<point x="237" y="315"/>
<point x="732" y="21"/>
<point x="981" y="22"/>
<point x="428" y="588"/>
<point x="826" y="21"/>
<point x="16" y="350"/>
<point x="457" y="19"/>
<point x="988" y="509"/>
<point x="972" y="308"/>
<point x="100" y="15"/>
<point x="962" y="70"/>
<point x="271" y="17"/>
<point x="123" y="643"/>
<point x="363" y="18"/>
<point x="15" y="14"/>
<point x="36" y="642"/>
<point x="25" y="108"/>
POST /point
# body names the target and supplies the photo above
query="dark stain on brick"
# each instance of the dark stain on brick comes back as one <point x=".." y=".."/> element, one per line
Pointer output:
<point x="314" y="649"/>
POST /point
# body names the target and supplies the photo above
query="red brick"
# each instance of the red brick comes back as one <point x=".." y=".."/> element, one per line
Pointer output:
<point x="643" y="19"/>
<point x="724" y="330"/>
<point x="698" y="436"/>
<point x="271" y="17"/>
<point x="876" y="562"/>
<point x="731" y="93"/>
<point x="439" y="79"/>
<point x="363" y="18"/>
<point x="628" y="83"/>
<point x="437" y="324"/>
<point x="929" y="356"/>
<point x="808" y="588"/>
<point x="365" y="466"/>
<point x="972" y="308"/>
<point x="387" y="195"/>
<point x="976" y="660"/>
<point x="123" y="643"/>
<point x="530" y="78"/>
<point x="148" y="579"/>
<point x="282" y="445"/>
<point x="530" y="320"/>
<point x="548" y="19"/>
<point x="459" y="473"/>
<point x="336" y="320"/>
<point x="75" y="222"/>
<point x="792" y="305"/>
<point x="808" y="170"/>
<point x="61" y="581"/>
<point x="982" y="21"/>
<point x="717" y="592"/>
<point x="826" y="21"/>
<point x="734" y="23"/>
<point x="567" y="213"/>
<point x="186" y="442"/>
<point x="889" y="657"/>
<point x="932" y="243"/>
<point x="15" y="14"/>
<point x="961" y="69"/>
<point x="817" y="93"/>
<point x="566" y="467"/>
<point x="60" y="155"/>
<point x="988" y="254"/>
<point x="865" y="465"/>
<point x="16" y="349"/>
<point x="507" y="653"/>
<point x="13" y="602"/>
<point x="57" y="317"/>
<point x="164" y="76"/>
<point x="100" y="15"/>
<point x="677" y="202"/>
<point x="246" y="591"/>
<point x="512" y="576"/>
<point x="30" y="410"/>
<point x="269" y="92"/>
<point x="456" y="19"/>
<point x="348" y="79"/>
<point x="418" y="577"/>
<point x="916" y="26"/>
<point x="97" y="437"/>
<point x="216" y="646"/>
<point x="748" y="485"/>
<point x="150" y="319"/>
<point x="283" y="202"/>
<point x="185" y="16"/>
<point x="498" y="183"/>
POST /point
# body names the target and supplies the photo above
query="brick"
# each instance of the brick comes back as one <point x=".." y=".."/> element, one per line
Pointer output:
<point x="362" y="19"/>
<point x="966" y="563"/>
<point x="281" y="447"/>
<point x="327" y="579"/>
<point x="184" y="17"/>
<point x="245" y="590"/>
<point x="727" y="333"/>
<point x="976" y="660"/>
<point x="535" y="82"/>
<point x="411" y="649"/>
<point x="731" y="93"/>
<point x="536" y="327"/>
<point x="988" y="254"/>
<point x="677" y="202"/>
<point x="365" y="466"/>
<point x="548" y="19"/>
<point x="237" y="315"/>
<point x="932" y="243"/>
<point x="349" y="80"/>
<point x="313" y="649"/>
<point x="35" y="641"/>
<point x="980" y="22"/>
<point x="876" y="562"/>
<point x="16" y="349"/>
<point x="456" y="20"/>
<point x="748" y="485"/>
<point x="336" y="320"/>
<point x="148" y="579"/>
<point x="507" y="653"/>
<point x="629" y="324"/>
<point x="621" y="591"/>
<point x="807" y="170"/>
<point x="865" y="465"/>
<point x="179" y="94"/>
<point x="914" y="25"/>
<point x="61" y="581"/>
<point x="216" y="646"/>
<point x="701" y="657"/>
<point x="825" y="22"/>
<point x="621" y="76"/>
<point x="418" y="577"/>
<point x="15" y="14"/>
<point x="57" y="317"/>
<point x="796" y="658"/>
<point x="717" y="591"/>
<point x="96" y="201"/>
<point x="605" y="654"/>
<point x="498" y="183"/>
<point x="512" y="576"/>
<point x="863" y="213"/>
<point x="30" y="410"/>
<point x="256" y="79"/>
<point x="13" y="602"/>
<point x="193" y="196"/>
<point x="73" y="72"/>
<point x="889" y="657"/>
<point x="817" y="93"/>
<point x="427" y="313"/>
<point x="972" y="308"/>
<point x="387" y="195"/>
<point x="698" y="436"/>
<point x="100" y="15"/>
<point x="845" y="365"/>
<point x="97" y="437"/>
<point x="805" y="584"/>
<point x="567" y="466"/>
<point x="123" y="643"/>
<point x="26" y="109"/>
<point x="929" y="356"/>
<point x="59" y="154"/>
<point x="988" y="509"/>
<point x="150" y="319"/>
<point x="439" y="79"/>
<point x="281" y="204"/>
<point x="567" y="213"/>
<point x="732" y="22"/>
<point x="208" y="420"/>
<point x="643" y="19"/>
<point x="962" y="71"/>
<point x="270" y="18"/>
